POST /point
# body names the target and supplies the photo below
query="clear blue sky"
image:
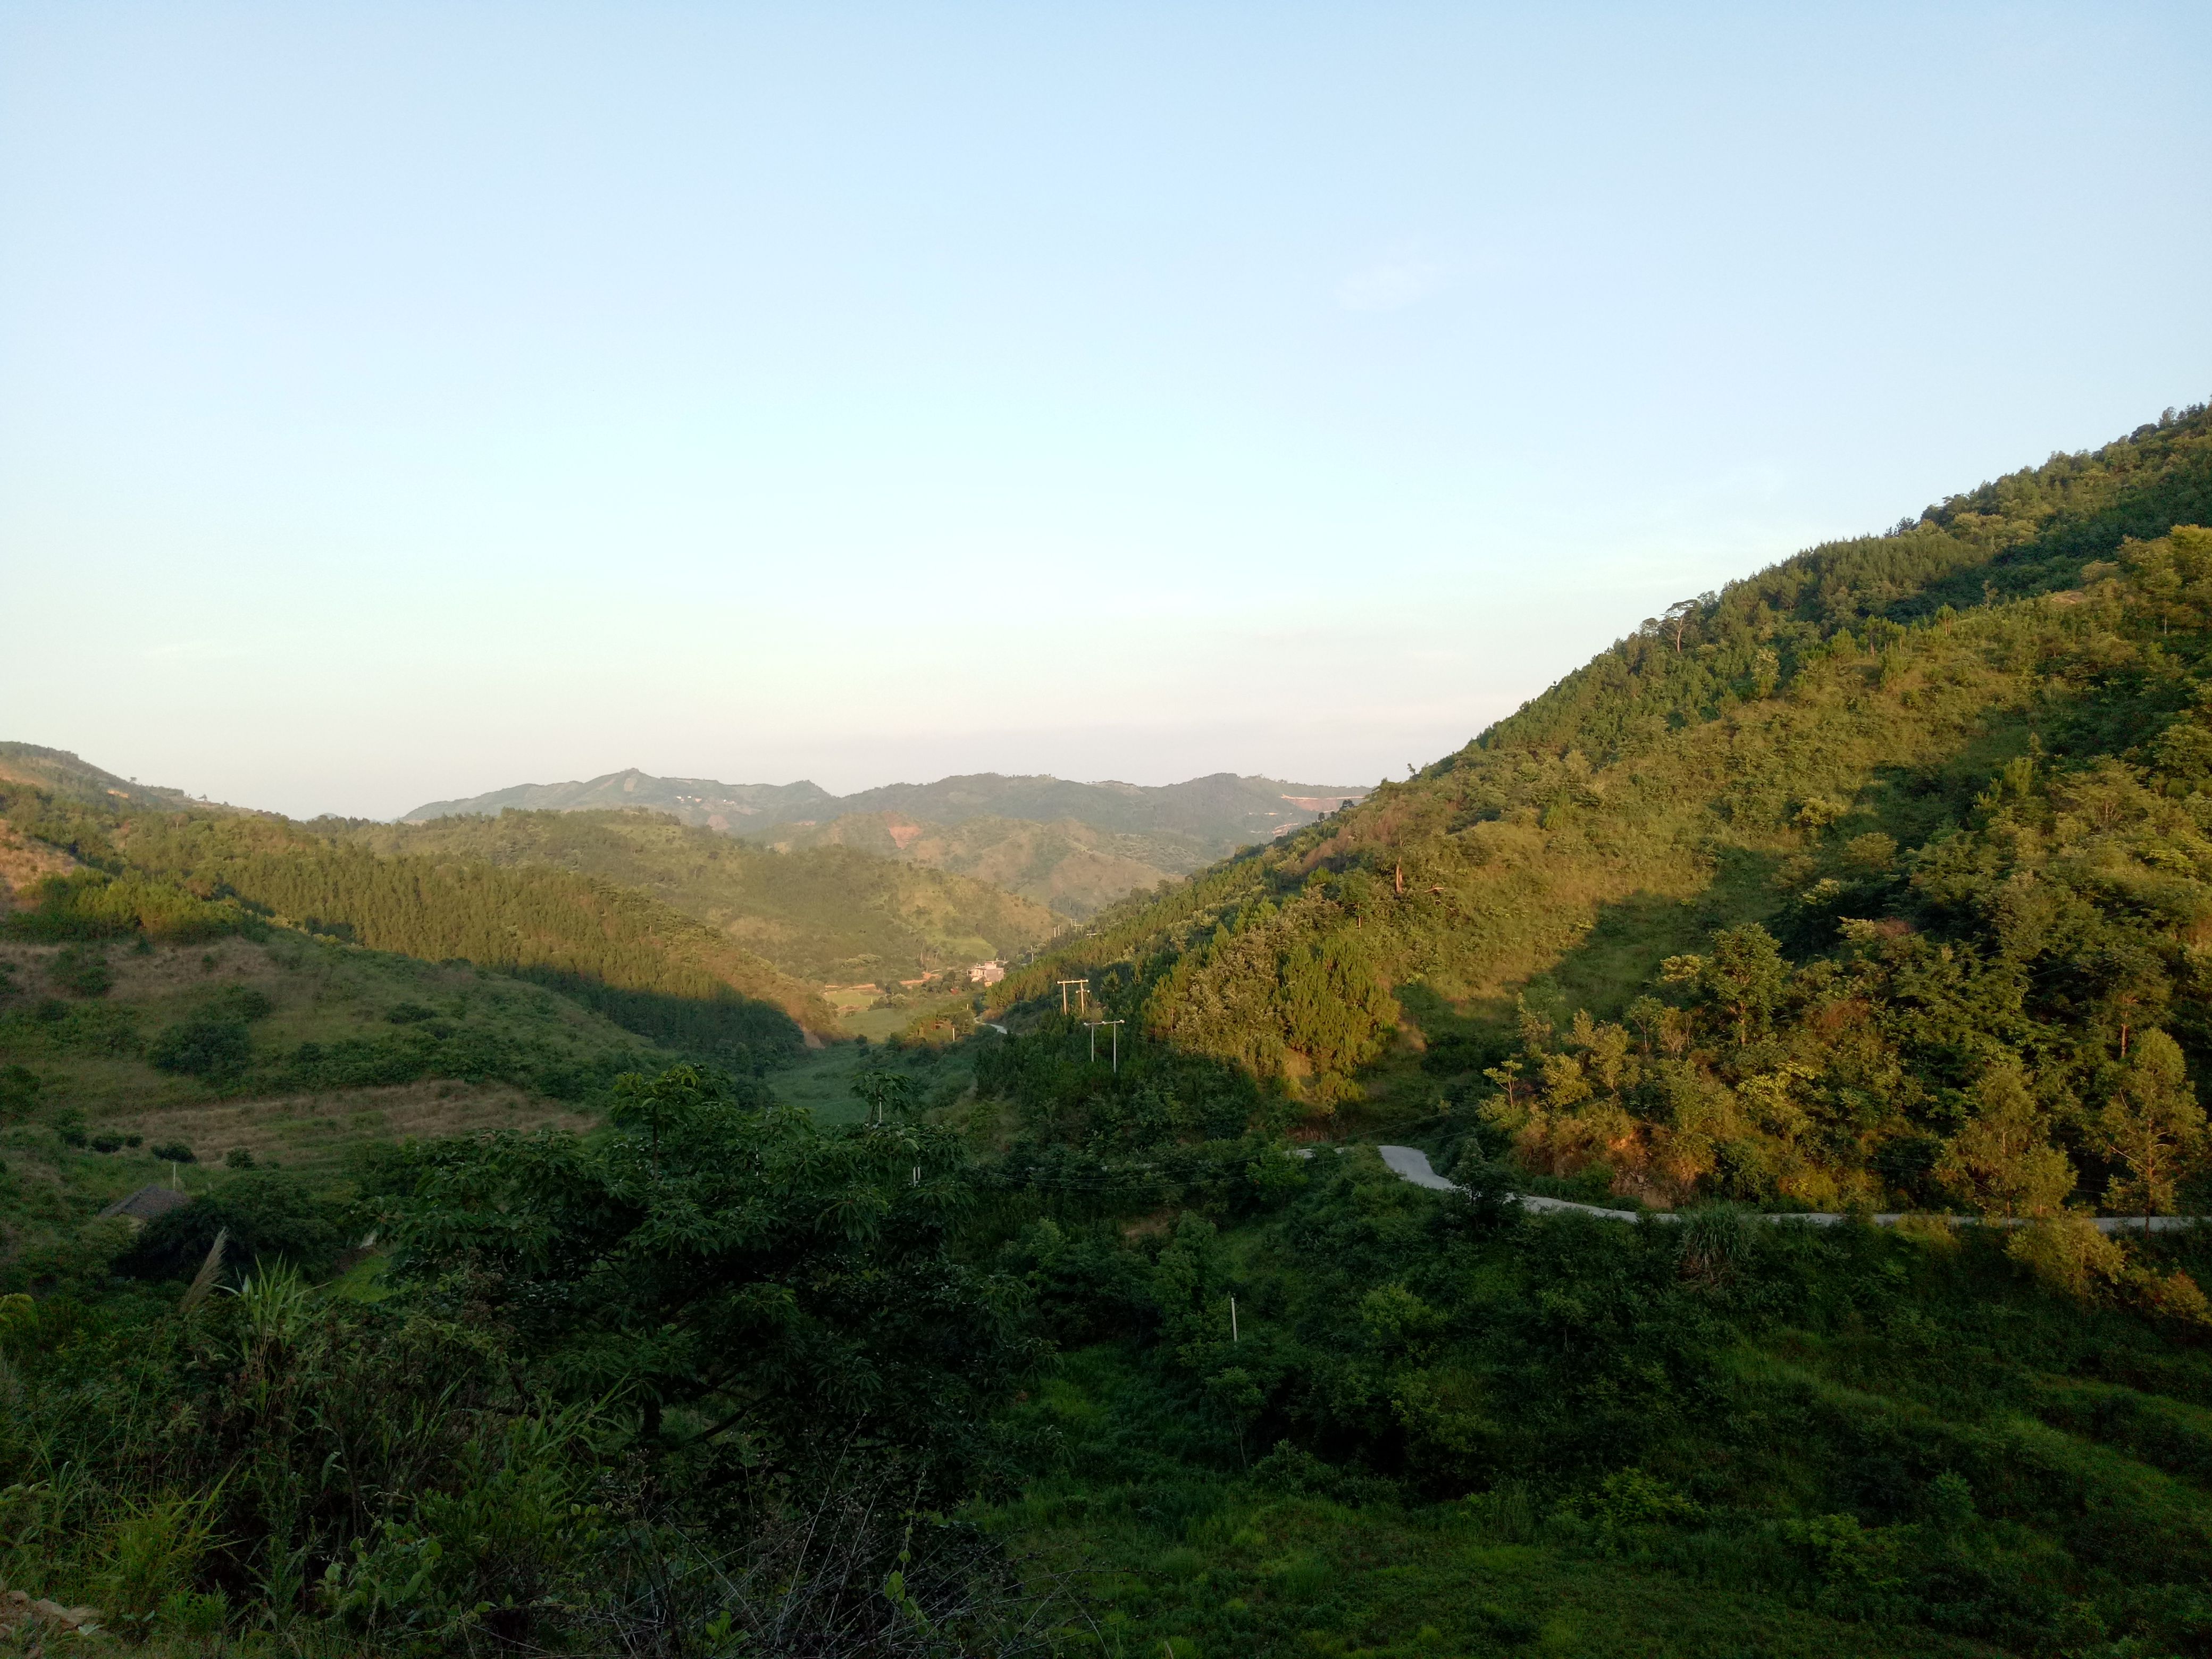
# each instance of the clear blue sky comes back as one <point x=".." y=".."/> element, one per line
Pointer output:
<point x="400" y="401"/>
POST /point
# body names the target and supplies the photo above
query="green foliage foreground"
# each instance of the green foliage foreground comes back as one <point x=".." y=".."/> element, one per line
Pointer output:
<point x="1432" y="1426"/>
<point x="717" y="1381"/>
<point x="703" y="1384"/>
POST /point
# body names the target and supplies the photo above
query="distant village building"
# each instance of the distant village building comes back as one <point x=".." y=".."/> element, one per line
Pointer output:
<point x="143" y="1205"/>
<point x="987" y="972"/>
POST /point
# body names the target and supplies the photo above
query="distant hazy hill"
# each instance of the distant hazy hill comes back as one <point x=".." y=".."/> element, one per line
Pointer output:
<point x="694" y="800"/>
<point x="59" y="772"/>
<point x="1072" y="846"/>
<point x="831" y="913"/>
<point x="1224" y="809"/>
<point x="1071" y="866"/>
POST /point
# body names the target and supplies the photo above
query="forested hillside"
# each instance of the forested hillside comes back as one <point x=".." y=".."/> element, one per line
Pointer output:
<point x="1877" y="871"/>
<point x="635" y="958"/>
<point x="84" y="869"/>
<point x="830" y="914"/>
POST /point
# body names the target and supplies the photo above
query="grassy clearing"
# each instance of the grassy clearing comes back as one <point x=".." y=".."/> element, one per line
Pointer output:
<point x="316" y="1131"/>
<point x="823" y="1082"/>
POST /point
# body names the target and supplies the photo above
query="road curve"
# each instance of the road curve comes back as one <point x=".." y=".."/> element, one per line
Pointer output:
<point x="1411" y="1163"/>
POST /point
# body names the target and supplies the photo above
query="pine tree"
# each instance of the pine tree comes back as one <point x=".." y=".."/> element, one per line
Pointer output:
<point x="2153" y="1124"/>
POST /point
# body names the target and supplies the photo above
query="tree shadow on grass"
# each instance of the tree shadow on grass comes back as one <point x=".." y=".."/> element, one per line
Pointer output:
<point x="1614" y="963"/>
<point x="1619" y="959"/>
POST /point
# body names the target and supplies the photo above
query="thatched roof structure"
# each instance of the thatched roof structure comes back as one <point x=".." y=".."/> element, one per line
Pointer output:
<point x="148" y="1202"/>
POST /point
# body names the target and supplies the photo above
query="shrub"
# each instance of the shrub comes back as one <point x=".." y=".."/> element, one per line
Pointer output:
<point x="152" y="1549"/>
<point x="81" y="971"/>
<point x="206" y="1046"/>
<point x="238" y="1158"/>
<point x="239" y="1002"/>
<point x="2068" y="1254"/>
<point x="266" y="1215"/>
<point x="19" y="1091"/>
<point x="172" y="1151"/>
<point x="92" y="904"/>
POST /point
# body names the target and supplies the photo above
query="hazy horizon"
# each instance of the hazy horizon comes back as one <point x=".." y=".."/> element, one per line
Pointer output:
<point x="400" y="402"/>
<point x="160" y="782"/>
<point x="886" y="783"/>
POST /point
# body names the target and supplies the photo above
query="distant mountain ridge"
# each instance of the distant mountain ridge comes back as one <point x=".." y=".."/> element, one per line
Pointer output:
<point x="694" y="800"/>
<point x="1222" y="807"/>
<point x="1072" y="846"/>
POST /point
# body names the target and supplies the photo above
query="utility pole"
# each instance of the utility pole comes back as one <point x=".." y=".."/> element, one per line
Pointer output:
<point x="1233" y="1337"/>
<point x="1117" y="1026"/>
<point x="1082" y="994"/>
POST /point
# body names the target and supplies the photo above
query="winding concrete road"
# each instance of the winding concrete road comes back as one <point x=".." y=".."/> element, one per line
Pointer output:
<point x="1411" y="1163"/>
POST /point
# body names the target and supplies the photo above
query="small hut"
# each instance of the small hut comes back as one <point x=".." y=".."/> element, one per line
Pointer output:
<point x="143" y="1205"/>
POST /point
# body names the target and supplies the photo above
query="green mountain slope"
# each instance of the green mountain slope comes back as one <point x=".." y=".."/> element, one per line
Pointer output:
<point x="636" y="958"/>
<point x="1075" y="846"/>
<point x="298" y="1048"/>
<point x="88" y="869"/>
<point x="1952" y="773"/>
<point x="830" y="914"/>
